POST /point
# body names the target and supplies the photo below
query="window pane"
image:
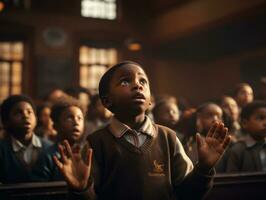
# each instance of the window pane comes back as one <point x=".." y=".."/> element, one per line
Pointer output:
<point x="16" y="73"/>
<point x="97" y="61"/>
<point x="12" y="55"/>
<point x="5" y="50"/>
<point x="17" y="51"/>
<point x="4" y="79"/>
<point x="102" y="9"/>
<point x="95" y="72"/>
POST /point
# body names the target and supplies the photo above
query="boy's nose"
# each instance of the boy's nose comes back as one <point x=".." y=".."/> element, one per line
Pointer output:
<point x="137" y="85"/>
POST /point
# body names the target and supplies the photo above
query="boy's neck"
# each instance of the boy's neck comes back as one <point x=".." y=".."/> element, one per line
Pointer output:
<point x="133" y="122"/>
<point x="24" y="140"/>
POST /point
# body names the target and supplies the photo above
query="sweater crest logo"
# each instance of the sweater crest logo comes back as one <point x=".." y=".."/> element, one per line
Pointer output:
<point x="157" y="169"/>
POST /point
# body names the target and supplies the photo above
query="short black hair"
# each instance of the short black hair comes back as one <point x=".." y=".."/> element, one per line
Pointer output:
<point x="10" y="102"/>
<point x="250" y="108"/>
<point x="238" y="87"/>
<point x="62" y="104"/>
<point x="104" y="84"/>
<point x="203" y="106"/>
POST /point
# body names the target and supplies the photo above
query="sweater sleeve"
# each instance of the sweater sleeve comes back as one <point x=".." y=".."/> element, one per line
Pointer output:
<point x="188" y="181"/>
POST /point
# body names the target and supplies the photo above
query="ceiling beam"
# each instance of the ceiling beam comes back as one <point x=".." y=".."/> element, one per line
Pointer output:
<point x="197" y="15"/>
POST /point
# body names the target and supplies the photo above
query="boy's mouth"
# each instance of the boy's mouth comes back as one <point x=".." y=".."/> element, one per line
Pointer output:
<point x="139" y="97"/>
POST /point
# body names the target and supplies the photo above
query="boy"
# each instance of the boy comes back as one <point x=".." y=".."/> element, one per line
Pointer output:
<point x="21" y="147"/>
<point x="206" y="115"/>
<point x="68" y="118"/>
<point x="134" y="158"/>
<point x="249" y="154"/>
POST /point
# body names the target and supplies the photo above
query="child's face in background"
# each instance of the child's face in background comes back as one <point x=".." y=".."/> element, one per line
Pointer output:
<point x="45" y="118"/>
<point x="71" y="124"/>
<point x="129" y="92"/>
<point x="207" y="117"/>
<point x="229" y="106"/>
<point x="22" y="121"/>
<point x="244" y="96"/>
<point x="256" y="124"/>
<point x="169" y="115"/>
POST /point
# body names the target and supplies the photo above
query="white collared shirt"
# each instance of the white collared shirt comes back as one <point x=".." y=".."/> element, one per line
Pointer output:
<point x="135" y="137"/>
<point x="27" y="153"/>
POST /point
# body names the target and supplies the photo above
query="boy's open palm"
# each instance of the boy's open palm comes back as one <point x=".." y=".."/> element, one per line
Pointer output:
<point x="72" y="166"/>
<point x="212" y="147"/>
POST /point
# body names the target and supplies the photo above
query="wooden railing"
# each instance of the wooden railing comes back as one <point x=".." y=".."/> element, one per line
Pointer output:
<point x="226" y="187"/>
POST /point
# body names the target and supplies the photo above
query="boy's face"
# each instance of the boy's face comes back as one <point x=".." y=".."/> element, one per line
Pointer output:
<point x="22" y="121"/>
<point x="129" y="91"/>
<point x="229" y="105"/>
<point x="71" y="124"/>
<point x="45" y="117"/>
<point x="168" y="115"/>
<point x="208" y="116"/>
<point x="256" y="124"/>
<point x="244" y="96"/>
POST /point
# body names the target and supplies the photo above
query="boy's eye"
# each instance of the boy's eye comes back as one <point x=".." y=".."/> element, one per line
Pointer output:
<point x="124" y="82"/>
<point x="143" y="81"/>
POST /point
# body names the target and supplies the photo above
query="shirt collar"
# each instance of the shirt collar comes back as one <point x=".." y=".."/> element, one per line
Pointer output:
<point x="17" y="145"/>
<point x="250" y="142"/>
<point x="118" y="129"/>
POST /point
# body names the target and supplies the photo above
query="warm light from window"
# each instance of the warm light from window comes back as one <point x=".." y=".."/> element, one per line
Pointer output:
<point x="93" y="63"/>
<point x="101" y="9"/>
<point x="11" y="63"/>
<point x="2" y="6"/>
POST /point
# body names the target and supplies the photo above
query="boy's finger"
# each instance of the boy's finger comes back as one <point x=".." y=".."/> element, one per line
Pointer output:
<point x="62" y="153"/>
<point x="227" y="141"/>
<point x="219" y="131"/>
<point x="89" y="157"/>
<point x="57" y="162"/>
<point x="68" y="149"/>
<point x="212" y="129"/>
<point x="199" y="140"/>
<point x="222" y="134"/>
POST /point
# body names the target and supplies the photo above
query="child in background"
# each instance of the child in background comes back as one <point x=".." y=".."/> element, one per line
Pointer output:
<point x="204" y="117"/>
<point x="231" y="110"/>
<point x="45" y="127"/>
<point x="68" y="117"/>
<point x="166" y="113"/>
<point x="243" y="94"/>
<point x="21" y="148"/>
<point x="249" y="154"/>
<point x="133" y="157"/>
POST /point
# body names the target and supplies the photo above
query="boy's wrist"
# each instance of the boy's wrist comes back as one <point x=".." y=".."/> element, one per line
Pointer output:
<point x="203" y="169"/>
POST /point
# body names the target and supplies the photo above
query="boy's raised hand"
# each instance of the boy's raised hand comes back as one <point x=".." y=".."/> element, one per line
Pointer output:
<point x="211" y="148"/>
<point x="72" y="166"/>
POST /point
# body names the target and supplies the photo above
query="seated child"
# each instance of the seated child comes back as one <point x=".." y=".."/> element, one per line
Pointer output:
<point x="249" y="154"/>
<point x="206" y="115"/>
<point x="133" y="157"/>
<point x="68" y="118"/>
<point x="231" y="115"/>
<point x="166" y="113"/>
<point x="21" y="148"/>
<point x="44" y="126"/>
<point x="243" y="94"/>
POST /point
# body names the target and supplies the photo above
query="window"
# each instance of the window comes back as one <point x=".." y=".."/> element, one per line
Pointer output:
<point x="101" y="9"/>
<point x="93" y="63"/>
<point x="11" y="63"/>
